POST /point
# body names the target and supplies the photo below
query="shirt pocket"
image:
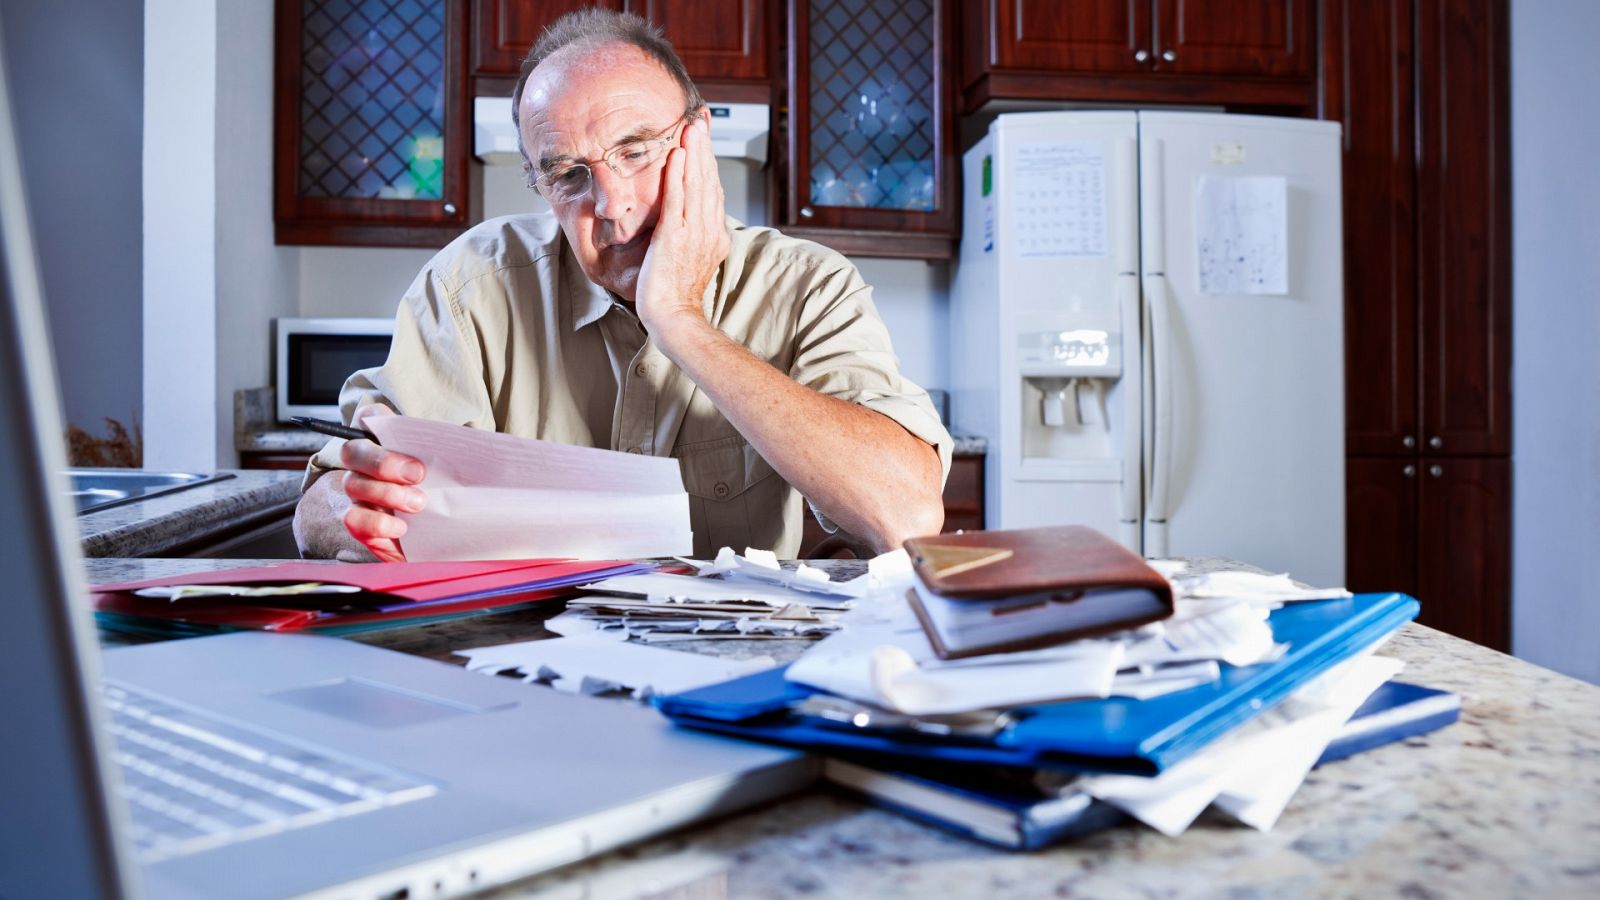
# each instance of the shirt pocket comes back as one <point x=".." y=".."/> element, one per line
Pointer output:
<point x="735" y="498"/>
<point x="721" y="470"/>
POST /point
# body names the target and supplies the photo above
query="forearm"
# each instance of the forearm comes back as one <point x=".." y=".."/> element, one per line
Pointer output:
<point x="319" y="529"/>
<point x="870" y="475"/>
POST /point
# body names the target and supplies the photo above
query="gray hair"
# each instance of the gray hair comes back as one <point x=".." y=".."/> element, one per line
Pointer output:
<point x="593" y="28"/>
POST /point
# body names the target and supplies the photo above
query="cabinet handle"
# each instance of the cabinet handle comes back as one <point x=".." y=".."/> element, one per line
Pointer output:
<point x="1410" y="471"/>
<point x="1436" y="442"/>
<point x="449" y="209"/>
<point x="1436" y="471"/>
<point x="806" y="212"/>
<point x="1141" y="56"/>
<point x="1169" y="55"/>
<point x="1408" y="441"/>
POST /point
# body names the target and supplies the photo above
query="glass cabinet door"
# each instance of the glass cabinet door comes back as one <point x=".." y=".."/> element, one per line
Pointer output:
<point x="372" y="128"/>
<point x="870" y="139"/>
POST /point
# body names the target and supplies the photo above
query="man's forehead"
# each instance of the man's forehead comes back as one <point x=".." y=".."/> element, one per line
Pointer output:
<point x="597" y="96"/>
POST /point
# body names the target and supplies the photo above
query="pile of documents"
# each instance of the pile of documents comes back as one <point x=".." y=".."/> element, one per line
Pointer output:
<point x="1227" y="702"/>
<point x="735" y="596"/>
<point x="339" y="598"/>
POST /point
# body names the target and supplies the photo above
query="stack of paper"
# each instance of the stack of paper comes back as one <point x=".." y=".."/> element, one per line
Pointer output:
<point x="734" y="596"/>
<point x="499" y="496"/>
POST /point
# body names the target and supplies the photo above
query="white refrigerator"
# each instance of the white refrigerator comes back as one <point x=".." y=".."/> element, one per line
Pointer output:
<point x="1147" y="325"/>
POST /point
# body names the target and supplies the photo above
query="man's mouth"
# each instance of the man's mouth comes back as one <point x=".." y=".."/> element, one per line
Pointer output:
<point x="639" y="239"/>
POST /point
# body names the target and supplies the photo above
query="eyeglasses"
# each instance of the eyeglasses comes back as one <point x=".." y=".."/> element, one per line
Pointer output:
<point x="572" y="181"/>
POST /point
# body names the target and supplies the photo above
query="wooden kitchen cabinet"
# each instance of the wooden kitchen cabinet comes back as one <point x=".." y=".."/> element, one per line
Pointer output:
<point x="725" y="44"/>
<point x="372" y="126"/>
<point x="870" y="167"/>
<point x="1422" y="527"/>
<point x="1237" y="53"/>
<point x="1421" y="88"/>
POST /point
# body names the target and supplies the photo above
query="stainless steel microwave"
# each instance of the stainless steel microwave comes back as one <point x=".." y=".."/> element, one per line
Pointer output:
<point x="315" y="356"/>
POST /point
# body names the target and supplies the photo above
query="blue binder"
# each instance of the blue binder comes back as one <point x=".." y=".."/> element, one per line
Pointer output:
<point x="1112" y="735"/>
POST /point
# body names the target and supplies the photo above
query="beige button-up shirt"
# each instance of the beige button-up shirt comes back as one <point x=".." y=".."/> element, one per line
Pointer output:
<point x="503" y="331"/>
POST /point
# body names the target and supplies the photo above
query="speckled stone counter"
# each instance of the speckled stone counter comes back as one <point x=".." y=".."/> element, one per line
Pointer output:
<point x="170" y="521"/>
<point x="1505" y="803"/>
<point x="970" y="445"/>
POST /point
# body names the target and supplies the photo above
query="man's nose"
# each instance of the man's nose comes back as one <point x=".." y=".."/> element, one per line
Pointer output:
<point x="613" y="194"/>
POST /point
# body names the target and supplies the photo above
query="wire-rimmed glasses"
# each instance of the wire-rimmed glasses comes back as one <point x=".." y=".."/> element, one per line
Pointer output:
<point x="571" y="181"/>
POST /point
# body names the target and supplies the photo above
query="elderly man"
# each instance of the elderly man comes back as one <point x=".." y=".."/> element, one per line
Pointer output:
<point x="638" y="317"/>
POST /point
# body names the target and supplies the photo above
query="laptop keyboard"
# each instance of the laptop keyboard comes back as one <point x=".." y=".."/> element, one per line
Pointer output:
<point x="193" y="782"/>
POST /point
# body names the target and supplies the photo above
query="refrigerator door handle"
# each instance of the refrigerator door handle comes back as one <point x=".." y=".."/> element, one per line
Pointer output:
<point x="1130" y="306"/>
<point x="1160" y="442"/>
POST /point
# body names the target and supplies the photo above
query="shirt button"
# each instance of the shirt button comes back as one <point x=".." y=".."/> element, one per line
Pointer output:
<point x="641" y="370"/>
<point x="721" y="489"/>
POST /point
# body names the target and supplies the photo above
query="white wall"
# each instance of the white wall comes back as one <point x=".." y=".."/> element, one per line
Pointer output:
<point x="1555" y="375"/>
<point x="213" y="278"/>
<point x="78" y="99"/>
<point x="180" y="265"/>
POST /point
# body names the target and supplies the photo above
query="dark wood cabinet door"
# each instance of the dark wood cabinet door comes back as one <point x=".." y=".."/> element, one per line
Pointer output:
<point x="724" y="43"/>
<point x="371" y="120"/>
<point x="871" y="142"/>
<point x="719" y="40"/>
<point x="1381" y="525"/>
<point x="1368" y="73"/>
<point x="1463" y="226"/>
<point x="1093" y="36"/>
<point x="1464" y="565"/>
<point x="503" y="31"/>
<point x="1234" y="37"/>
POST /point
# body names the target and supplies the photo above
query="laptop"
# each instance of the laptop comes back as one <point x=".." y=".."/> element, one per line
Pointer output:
<point x="266" y="765"/>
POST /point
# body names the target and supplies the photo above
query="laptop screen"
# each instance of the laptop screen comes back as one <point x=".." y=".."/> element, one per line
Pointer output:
<point x="56" y="836"/>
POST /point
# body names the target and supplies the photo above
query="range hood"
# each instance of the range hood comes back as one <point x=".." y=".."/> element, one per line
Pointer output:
<point x="738" y="130"/>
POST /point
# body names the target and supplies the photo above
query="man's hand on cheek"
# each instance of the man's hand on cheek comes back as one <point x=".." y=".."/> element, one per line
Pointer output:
<point x="691" y="235"/>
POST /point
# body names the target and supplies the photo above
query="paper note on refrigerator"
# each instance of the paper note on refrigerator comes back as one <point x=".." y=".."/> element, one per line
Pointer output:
<point x="1059" y="199"/>
<point x="499" y="496"/>
<point x="1242" y="233"/>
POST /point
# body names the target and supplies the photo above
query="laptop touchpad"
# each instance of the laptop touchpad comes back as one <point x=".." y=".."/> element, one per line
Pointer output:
<point x="373" y="703"/>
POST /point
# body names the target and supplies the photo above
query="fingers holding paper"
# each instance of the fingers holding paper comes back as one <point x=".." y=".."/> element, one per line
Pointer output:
<point x="380" y="483"/>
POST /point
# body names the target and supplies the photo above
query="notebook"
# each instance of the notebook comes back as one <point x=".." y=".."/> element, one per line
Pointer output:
<point x="389" y="775"/>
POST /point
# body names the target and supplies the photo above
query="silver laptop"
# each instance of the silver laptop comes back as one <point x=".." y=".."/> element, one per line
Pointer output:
<point x="262" y="765"/>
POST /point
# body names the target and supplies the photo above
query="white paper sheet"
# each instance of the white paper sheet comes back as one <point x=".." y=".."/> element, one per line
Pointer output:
<point x="499" y="496"/>
<point x="1254" y="772"/>
<point x="1242" y="234"/>
<point x="1059" y="199"/>
<point x="885" y="660"/>
<point x="596" y="664"/>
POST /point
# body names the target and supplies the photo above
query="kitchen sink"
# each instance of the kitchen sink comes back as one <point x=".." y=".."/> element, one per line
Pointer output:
<point x="97" y="489"/>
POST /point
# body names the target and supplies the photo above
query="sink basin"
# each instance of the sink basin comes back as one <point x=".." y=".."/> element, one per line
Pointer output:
<point x="97" y="489"/>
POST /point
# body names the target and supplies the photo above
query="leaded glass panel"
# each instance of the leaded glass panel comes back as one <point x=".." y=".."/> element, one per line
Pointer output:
<point x="372" y="99"/>
<point x="872" y="104"/>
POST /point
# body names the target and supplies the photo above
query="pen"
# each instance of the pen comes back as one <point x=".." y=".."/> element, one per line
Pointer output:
<point x="334" y="429"/>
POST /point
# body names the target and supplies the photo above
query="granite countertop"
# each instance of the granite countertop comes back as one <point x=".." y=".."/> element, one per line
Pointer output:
<point x="167" y="522"/>
<point x="1506" y="802"/>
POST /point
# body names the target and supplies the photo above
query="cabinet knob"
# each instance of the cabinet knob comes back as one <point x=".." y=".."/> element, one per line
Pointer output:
<point x="449" y="209"/>
<point x="1436" y="471"/>
<point x="1409" y="471"/>
<point x="1436" y="442"/>
<point x="1408" y="441"/>
<point x="806" y="212"/>
<point x="1141" y="56"/>
<point x="1169" y="55"/>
